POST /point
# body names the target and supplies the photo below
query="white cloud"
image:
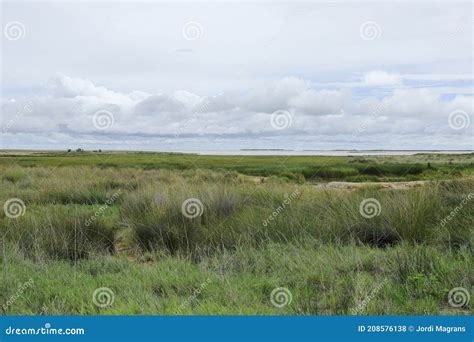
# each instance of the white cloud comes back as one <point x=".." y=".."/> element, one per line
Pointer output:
<point x="275" y="95"/>
<point x="381" y="78"/>
<point x="322" y="102"/>
<point x="69" y="109"/>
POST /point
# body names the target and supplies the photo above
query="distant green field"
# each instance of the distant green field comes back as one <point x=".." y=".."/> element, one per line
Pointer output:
<point x="373" y="168"/>
<point x="187" y="234"/>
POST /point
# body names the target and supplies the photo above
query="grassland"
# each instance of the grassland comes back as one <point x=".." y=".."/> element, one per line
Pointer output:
<point x="309" y="168"/>
<point x="117" y="220"/>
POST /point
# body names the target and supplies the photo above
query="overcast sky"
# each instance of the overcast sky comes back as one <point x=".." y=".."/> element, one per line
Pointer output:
<point x="226" y="75"/>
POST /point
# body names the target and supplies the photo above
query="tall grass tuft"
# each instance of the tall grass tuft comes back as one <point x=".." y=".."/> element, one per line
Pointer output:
<point x="58" y="232"/>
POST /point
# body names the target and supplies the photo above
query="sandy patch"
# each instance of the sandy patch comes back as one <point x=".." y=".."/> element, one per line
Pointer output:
<point x="381" y="185"/>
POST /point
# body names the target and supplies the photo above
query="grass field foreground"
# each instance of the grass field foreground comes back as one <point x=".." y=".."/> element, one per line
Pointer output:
<point x="231" y="239"/>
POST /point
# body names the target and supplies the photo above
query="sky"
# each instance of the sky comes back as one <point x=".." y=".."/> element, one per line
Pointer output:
<point x="226" y="75"/>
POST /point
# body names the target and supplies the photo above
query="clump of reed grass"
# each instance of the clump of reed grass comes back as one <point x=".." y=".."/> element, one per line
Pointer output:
<point x="14" y="174"/>
<point x="58" y="232"/>
<point x="157" y="219"/>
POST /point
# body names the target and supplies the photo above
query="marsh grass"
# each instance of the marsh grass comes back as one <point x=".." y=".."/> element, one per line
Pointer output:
<point x="323" y="279"/>
<point x="234" y="211"/>
<point x="59" y="232"/>
<point x="391" y="168"/>
<point x="153" y="257"/>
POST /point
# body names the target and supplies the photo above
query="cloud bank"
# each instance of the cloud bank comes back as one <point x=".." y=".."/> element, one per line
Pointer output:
<point x="75" y="110"/>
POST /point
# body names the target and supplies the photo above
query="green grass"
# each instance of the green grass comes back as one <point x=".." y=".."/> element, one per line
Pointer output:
<point x="122" y="227"/>
<point x="430" y="166"/>
<point x="322" y="279"/>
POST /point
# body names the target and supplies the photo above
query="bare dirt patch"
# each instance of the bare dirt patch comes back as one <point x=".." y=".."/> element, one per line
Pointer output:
<point x="381" y="185"/>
